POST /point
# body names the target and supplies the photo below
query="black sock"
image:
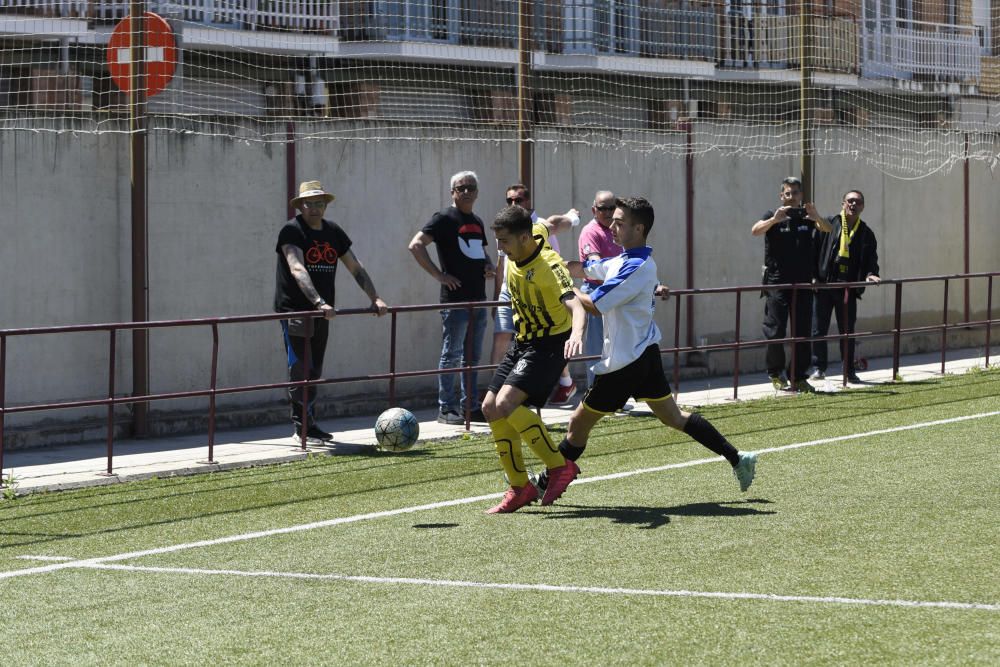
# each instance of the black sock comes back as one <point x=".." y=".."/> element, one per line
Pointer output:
<point x="702" y="430"/>
<point x="570" y="451"/>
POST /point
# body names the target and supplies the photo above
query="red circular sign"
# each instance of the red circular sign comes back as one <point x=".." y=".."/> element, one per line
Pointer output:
<point x="159" y="53"/>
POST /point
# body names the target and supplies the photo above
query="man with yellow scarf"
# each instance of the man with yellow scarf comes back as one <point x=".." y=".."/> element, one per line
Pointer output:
<point x="847" y="254"/>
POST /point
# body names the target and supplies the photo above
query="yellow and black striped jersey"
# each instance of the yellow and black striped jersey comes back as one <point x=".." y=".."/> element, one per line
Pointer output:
<point x="537" y="287"/>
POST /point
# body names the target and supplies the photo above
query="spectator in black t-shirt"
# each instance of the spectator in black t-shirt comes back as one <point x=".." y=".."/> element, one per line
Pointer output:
<point x="789" y="257"/>
<point x="460" y="238"/>
<point x="848" y="254"/>
<point x="309" y="250"/>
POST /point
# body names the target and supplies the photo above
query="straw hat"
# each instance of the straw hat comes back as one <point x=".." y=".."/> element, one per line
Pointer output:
<point x="311" y="189"/>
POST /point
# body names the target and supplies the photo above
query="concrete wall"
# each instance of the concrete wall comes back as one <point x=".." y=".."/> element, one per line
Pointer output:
<point x="216" y="204"/>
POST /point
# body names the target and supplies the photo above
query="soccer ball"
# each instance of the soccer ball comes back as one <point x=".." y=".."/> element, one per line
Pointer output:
<point x="396" y="430"/>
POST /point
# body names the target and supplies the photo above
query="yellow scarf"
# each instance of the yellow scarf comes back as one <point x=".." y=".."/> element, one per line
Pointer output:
<point x="845" y="239"/>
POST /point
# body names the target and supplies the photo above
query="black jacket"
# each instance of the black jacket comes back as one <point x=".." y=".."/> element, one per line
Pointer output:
<point x="863" y="260"/>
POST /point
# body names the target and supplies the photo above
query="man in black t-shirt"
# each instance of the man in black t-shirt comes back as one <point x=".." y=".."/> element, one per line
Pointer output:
<point x="789" y="257"/>
<point x="460" y="238"/>
<point x="309" y="250"/>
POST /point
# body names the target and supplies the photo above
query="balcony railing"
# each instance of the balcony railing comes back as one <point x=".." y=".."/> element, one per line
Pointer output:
<point x="298" y="15"/>
<point x="898" y="48"/>
<point x="774" y="41"/>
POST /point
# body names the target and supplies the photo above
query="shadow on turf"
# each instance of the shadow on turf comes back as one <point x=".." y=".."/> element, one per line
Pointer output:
<point x="646" y="518"/>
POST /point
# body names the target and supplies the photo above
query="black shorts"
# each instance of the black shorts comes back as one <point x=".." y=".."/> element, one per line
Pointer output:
<point x="643" y="380"/>
<point x="533" y="367"/>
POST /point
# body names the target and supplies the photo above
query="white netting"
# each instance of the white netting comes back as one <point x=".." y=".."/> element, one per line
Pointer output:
<point x="912" y="86"/>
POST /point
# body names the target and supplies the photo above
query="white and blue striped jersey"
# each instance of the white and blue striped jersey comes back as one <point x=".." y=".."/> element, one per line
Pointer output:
<point x="625" y="301"/>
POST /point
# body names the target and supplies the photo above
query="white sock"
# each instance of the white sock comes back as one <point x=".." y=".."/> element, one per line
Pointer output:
<point x="565" y="380"/>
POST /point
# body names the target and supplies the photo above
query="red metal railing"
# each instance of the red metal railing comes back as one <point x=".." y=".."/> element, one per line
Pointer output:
<point x="392" y="375"/>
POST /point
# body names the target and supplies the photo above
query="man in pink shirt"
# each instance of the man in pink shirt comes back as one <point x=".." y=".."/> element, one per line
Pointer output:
<point x="597" y="242"/>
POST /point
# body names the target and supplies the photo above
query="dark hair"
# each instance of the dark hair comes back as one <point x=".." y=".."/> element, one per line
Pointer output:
<point x="791" y="180"/>
<point x="513" y="219"/>
<point x="858" y="191"/>
<point x="519" y="186"/>
<point x="638" y="210"/>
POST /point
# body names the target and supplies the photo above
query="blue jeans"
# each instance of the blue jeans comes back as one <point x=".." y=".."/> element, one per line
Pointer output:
<point x="593" y="340"/>
<point x="454" y="324"/>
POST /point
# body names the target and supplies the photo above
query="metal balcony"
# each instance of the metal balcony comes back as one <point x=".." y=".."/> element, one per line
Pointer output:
<point x="903" y="49"/>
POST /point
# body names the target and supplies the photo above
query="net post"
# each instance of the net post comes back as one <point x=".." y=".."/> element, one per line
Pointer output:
<point x="140" y="250"/>
<point x="524" y="155"/>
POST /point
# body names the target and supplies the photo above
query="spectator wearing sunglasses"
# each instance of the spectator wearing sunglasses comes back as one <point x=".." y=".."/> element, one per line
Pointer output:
<point x="503" y="323"/>
<point x="462" y="269"/>
<point x="848" y="253"/>
<point x="597" y="242"/>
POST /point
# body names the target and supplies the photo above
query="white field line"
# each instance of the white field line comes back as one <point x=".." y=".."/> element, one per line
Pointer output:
<point x="769" y="597"/>
<point x="90" y="562"/>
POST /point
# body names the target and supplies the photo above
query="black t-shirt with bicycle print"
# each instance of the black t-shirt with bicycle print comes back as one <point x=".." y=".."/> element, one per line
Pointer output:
<point x="321" y="251"/>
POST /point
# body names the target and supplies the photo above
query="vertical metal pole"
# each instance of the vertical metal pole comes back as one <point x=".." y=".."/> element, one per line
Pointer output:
<point x="677" y="344"/>
<point x="897" y="320"/>
<point x="113" y="335"/>
<point x="290" y="188"/>
<point x="689" y="231"/>
<point x="944" y="325"/>
<point x="805" y="103"/>
<point x="792" y="333"/>
<point x="392" y="360"/>
<point x="845" y="337"/>
<point x="736" y="356"/>
<point x="211" y="397"/>
<point x="140" y="242"/>
<point x="524" y="155"/>
<point x="3" y="397"/>
<point x="307" y="376"/>
<point x="467" y="363"/>
<point x="989" y="326"/>
<point x="965" y="223"/>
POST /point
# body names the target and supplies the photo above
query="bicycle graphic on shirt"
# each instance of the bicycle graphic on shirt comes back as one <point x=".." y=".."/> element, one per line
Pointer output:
<point x="321" y="252"/>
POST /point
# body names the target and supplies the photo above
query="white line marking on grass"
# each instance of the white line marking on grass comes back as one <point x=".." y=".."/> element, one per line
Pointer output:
<point x="50" y="558"/>
<point x="89" y="562"/>
<point x="769" y="597"/>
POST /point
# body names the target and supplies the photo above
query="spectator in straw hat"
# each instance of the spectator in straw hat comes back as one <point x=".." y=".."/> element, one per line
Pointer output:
<point x="310" y="248"/>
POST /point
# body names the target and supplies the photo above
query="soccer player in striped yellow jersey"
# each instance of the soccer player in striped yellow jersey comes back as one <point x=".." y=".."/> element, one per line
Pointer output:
<point x="548" y="329"/>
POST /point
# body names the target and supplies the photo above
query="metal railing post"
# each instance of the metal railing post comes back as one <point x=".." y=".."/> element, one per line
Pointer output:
<point x="944" y="326"/>
<point x="792" y="332"/>
<point x="897" y="319"/>
<point x="677" y="345"/>
<point x="845" y="340"/>
<point x="736" y="355"/>
<point x="467" y="364"/>
<point x="307" y="376"/>
<point x="211" y="396"/>
<point x="989" y="327"/>
<point x="111" y="397"/>
<point x="3" y="398"/>
<point x="392" y="359"/>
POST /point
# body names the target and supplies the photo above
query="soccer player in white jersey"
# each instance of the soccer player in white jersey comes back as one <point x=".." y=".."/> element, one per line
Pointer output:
<point x="630" y="362"/>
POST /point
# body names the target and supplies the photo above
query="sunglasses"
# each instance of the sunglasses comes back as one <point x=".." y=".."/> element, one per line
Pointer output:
<point x="855" y="201"/>
<point x="514" y="200"/>
<point x="314" y="204"/>
<point x="605" y="208"/>
<point x="466" y="188"/>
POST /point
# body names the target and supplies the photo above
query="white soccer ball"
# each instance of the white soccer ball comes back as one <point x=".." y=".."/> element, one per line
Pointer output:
<point x="396" y="430"/>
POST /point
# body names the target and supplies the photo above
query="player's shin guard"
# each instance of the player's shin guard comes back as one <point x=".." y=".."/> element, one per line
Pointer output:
<point x="702" y="430"/>
<point x="536" y="436"/>
<point x="508" y="446"/>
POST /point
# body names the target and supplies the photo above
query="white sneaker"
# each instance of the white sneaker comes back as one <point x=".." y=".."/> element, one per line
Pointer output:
<point x="817" y="374"/>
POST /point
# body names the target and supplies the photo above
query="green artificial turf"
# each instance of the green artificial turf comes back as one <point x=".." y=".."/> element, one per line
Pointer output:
<point x="598" y="578"/>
